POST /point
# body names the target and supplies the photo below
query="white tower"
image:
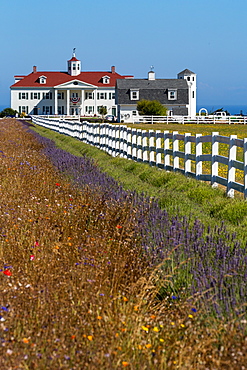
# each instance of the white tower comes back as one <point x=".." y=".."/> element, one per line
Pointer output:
<point x="190" y="77"/>
<point x="74" y="65"/>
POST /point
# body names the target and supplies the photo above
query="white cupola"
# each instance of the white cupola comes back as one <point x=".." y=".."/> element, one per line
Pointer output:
<point x="151" y="74"/>
<point x="74" y="65"/>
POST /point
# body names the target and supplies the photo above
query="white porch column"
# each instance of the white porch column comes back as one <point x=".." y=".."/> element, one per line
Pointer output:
<point x="68" y="102"/>
<point x="95" y="101"/>
<point x="55" y="102"/>
<point x="82" y="103"/>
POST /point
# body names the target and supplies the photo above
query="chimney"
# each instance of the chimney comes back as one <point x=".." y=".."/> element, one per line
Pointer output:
<point x="34" y="69"/>
<point x="113" y="69"/>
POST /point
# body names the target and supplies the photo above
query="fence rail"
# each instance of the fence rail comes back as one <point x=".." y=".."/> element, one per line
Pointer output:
<point x="166" y="150"/>
<point x="211" y="119"/>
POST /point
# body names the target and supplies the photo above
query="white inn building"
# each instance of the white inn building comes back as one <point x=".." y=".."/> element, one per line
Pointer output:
<point x="65" y="93"/>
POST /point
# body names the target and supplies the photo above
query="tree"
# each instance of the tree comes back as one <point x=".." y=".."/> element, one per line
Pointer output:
<point x="103" y="112"/>
<point x="151" y="108"/>
<point x="8" y="112"/>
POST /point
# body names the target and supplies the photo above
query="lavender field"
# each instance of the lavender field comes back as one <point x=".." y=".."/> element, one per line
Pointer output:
<point x="94" y="276"/>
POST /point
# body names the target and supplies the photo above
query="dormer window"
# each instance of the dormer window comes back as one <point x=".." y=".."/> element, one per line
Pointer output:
<point x="172" y="94"/>
<point x="134" y="94"/>
<point x="42" y="79"/>
<point x="106" y="80"/>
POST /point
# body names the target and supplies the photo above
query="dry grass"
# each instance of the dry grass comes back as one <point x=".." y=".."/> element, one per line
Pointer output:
<point x="76" y="291"/>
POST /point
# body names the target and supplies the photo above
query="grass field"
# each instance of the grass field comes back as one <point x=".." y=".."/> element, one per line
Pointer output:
<point x="77" y="289"/>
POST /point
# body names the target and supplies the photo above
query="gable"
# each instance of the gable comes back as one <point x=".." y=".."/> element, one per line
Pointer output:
<point x="75" y="84"/>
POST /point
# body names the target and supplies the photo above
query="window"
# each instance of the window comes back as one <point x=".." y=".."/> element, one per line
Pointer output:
<point x="36" y="95"/>
<point x="134" y="113"/>
<point x="172" y="94"/>
<point x="101" y="95"/>
<point x="134" y="94"/>
<point x="74" y="66"/>
<point x="42" y="80"/>
<point x="60" y="95"/>
<point x="89" y="95"/>
<point x="23" y="95"/>
<point x="23" y="109"/>
<point x="106" y="80"/>
<point x="193" y="94"/>
<point x="89" y="109"/>
<point x="60" y="109"/>
<point x="188" y="78"/>
<point x="113" y="95"/>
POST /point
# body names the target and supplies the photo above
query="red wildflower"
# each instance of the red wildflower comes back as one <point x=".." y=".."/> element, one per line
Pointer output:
<point x="7" y="272"/>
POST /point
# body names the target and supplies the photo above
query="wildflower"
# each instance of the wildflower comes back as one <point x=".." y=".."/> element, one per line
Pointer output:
<point x="57" y="184"/>
<point x="125" y="299"/>
<point x="72" y="336"/>
<point x="90" y="337"/>
<point x="4" y="308"/>
<point x="190" y="316"/>
<point x="182" y="325"/>
<point x="99" y="317"/>
<point x="145" y="328"/>
<point x="25" y="340"/>
<point x="32" y="257"/>
<point x="125" y="363"/>
<point x="161" y="340"/>
<point x="172" y="323"/>
<point x="148" y="345"/>
<point x="119" y="227"/>
<point x="194" y="309"/>
<point x="152" y="316"/>
<point x="156" y="329"/>
<point x="135" y="308"/>
<point x="174" y="297"/>
<point x="7" y="272"/>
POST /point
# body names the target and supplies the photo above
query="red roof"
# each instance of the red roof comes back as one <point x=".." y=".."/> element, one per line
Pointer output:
<point x="73" y="59"/>
<point x="57" y="78"/>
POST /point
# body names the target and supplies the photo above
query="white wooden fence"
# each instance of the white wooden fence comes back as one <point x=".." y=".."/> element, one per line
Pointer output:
<point x="163" y="149"/>
<point x="211" y="119"/>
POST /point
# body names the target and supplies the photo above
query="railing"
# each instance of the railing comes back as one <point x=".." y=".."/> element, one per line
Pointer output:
<point x="166" y="150"/>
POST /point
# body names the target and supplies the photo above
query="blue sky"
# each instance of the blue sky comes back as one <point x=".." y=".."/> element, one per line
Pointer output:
<point x="207" y="37"/>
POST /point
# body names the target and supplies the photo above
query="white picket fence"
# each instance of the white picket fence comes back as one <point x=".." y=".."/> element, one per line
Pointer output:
<point x="162" y="149"/>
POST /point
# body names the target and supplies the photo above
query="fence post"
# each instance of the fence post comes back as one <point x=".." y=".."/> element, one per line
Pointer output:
<point x="145" y="146"/>
<point x="134" y="144"/>
<point x="121" y="141"/>
<point x="158" y="149"/>
<point x="129" y="143"/>
<point x="187" y="152"/>
<point x="245" y="168"/>
<point x="175" y="149"/>
<point x="214" y="161"/>
<point x="125" y="145"/>
<point x="152" y="148"/>
<point x="231" y="167"/>
<point x="139" y="145"/>
<point x="117" y="145"/>
<point x="166" y="150"/>
<point x="198" y="156"/>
